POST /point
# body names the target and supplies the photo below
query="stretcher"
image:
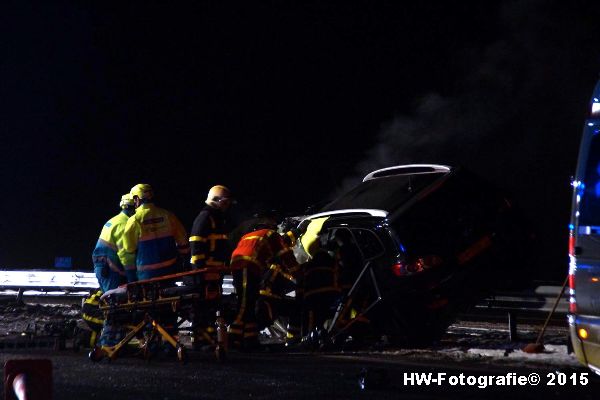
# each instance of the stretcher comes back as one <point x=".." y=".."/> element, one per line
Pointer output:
<point x="152" y="311"/>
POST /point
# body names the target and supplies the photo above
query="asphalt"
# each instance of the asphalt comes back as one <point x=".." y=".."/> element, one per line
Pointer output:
<point x="284" y="376"/>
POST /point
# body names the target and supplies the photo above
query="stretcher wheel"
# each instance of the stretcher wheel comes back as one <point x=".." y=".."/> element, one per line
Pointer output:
<point x="181" y="356"/>
<point x="96" y="354"/>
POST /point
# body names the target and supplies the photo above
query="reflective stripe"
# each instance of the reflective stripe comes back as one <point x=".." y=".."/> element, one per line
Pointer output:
<point x="213" y="263"/>
<point x="252" y="237"/>
<point x="163" y="264"/>
<point x="213" y="237"/>
<point x="114" y="267"/>
<point x="292" y="237"/>
<point x="92" y="319"/>
<point x="130" y="267"/>
<point x="240" y="317"/>
<point x="198" y="239"/>
<point x="268" y="293"/>
<point x="108" y="244"/>
<point x="198" y="257"/>
<point x="277" y="270"/>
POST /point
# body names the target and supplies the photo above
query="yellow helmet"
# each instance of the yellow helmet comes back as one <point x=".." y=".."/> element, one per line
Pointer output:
<point x="126" y="201"/>
<point x="143" y="191"/>
<point x="217" y="194"/>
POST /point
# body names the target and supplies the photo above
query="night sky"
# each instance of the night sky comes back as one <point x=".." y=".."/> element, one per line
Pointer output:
<point x="287" y="103"/>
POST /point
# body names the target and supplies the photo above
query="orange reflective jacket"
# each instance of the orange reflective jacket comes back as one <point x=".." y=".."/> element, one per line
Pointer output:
<point x="261" y="248"/>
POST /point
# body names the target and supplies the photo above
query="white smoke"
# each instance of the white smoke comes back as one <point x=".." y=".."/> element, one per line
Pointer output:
<point x="517" y="116"/>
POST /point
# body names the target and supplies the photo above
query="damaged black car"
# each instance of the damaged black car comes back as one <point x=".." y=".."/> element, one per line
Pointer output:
<point x="405" y="251"/>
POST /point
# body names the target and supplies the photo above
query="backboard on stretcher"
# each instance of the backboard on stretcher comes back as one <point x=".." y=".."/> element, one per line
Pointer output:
<point x="147" y="308"/>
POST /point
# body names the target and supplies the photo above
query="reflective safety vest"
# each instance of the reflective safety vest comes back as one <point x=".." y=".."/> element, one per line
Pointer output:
<point x="109" y="243"/>
<point x="155" y="236"/>
<point x="261" y="248"/>
<point x="209" y="242"/>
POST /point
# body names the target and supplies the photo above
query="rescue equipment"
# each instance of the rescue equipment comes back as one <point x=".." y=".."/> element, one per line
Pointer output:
<point x="150" y="308"/>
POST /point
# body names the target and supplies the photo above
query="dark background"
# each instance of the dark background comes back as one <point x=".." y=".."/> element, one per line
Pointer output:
<point x="287" y="103"/>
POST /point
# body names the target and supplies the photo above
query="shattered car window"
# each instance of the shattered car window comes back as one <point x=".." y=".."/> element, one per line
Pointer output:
<point x="370" y="246"/>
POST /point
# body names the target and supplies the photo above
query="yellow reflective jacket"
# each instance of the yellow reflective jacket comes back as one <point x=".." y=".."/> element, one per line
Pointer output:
<point x="109" y="243"/>
<point x="153" y="236"/>
<point x="310" y="238"/>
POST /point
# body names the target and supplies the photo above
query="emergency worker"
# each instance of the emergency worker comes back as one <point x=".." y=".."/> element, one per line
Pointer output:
<point x="154" y="238"/>
<point x="93" y="316"/>
<point x="253" y="256"/>
<point x="209" y="244"/>
<point x="328" y="276"/>
<point x="107" y="266"/>
<point x="321" y="289"/>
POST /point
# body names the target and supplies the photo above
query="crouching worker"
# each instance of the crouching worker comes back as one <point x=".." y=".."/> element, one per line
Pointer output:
<point x="92" y="316"/>
<point x="253" y="256"/>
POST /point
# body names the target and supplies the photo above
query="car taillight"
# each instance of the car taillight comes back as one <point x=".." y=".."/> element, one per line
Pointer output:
<point x="415" y="265"/>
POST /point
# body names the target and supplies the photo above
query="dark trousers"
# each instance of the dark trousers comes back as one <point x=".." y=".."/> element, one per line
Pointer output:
<point x="243" y="331"/>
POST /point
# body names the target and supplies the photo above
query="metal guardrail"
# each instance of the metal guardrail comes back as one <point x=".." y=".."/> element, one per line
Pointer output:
<point x="60" y="283"/>
<point x="540" y="299"/>
<point x="537" y="300"/>
<point x="65" y="280"/>
<point x="529" y="307"/>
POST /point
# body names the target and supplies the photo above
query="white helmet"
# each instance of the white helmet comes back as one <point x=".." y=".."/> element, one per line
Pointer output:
<point x="219" y="197"/>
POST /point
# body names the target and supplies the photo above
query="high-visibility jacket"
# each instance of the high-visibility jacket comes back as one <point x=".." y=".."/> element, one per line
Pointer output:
<point x="208" y="239"/>
<point x="155" y="236"/>
<point x="109" y="244"/>
<point x="310" y="238"/>
<point x="259" y="249"/>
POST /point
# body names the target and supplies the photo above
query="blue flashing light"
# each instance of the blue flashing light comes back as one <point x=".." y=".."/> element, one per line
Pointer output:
<point x="571" y="227"/>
